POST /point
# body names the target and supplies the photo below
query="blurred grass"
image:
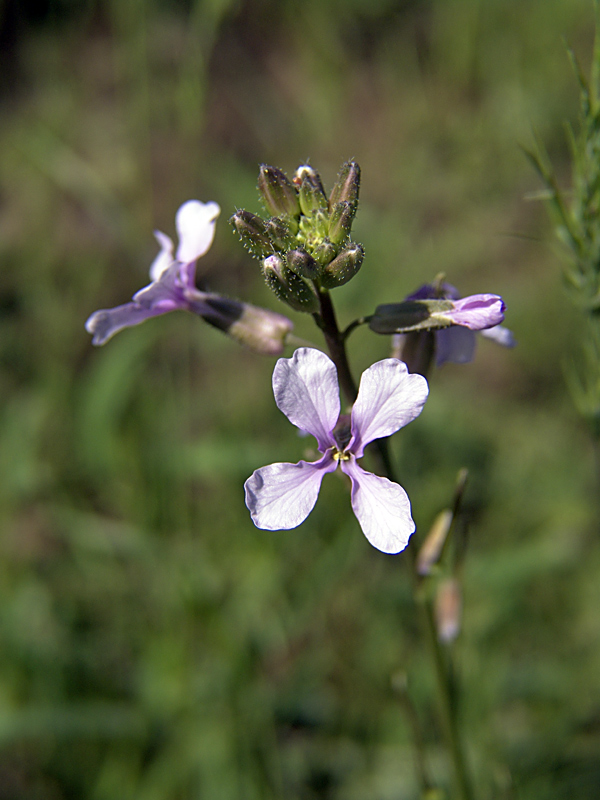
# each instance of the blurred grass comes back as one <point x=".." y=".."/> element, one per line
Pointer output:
<point x="155" y="645"/>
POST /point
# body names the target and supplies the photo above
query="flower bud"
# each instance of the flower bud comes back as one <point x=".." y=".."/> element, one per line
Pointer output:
<point x="411" y="315"/>
<point x="448" y="606"/>
<point x="261" y="330"/>
<point x="347" y="186"/>
<point x="312" y="194"/>
<point x="279" y="233"/>
<point x="343" y="267"/>
<point x="288" y="286"/>
<point x="432" y="547"/>
<point x="253" y="233"/>
<point x="340" y="221"/>
<point x="303" y="264"/>
<point x="325" y="252"/>
<point x="278" y="193"/>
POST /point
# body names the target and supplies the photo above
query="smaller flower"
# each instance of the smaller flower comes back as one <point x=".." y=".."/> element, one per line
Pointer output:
<point x="281" y="496"/>
<point x="173" y="287"/>
<point x="479" y="312"/>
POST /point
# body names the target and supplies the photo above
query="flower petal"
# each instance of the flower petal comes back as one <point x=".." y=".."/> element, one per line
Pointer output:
<point x="389" y="397"/>
<point x="281" y="496"/>
<point x="454" y="344"/>
<point x="500" y="335"/>
<point x="478" y="311"/>
<point x="306" y="390"/>
<point x="195" y="223"/>
<point x="164" y="259"/>
<point x="105" y="323"/>
<point x="164" y="294"/>
<point x="382" y="509"/>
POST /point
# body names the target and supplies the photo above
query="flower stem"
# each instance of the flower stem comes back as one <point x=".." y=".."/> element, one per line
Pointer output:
<point x="446" y="695"/>
<point x="336" y="346"/>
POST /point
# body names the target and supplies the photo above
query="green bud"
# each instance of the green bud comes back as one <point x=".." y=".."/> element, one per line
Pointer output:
<point x="340" y="221"/>
<point x="312" y="194"/>
<point x="411" y="315"/>
<point x="325" y="252"/>
<point x="253" y="233"/>
<point x="303" y="264"/>
<point x="347" y="185"/>
<point x="278" y="231"/>
<point x="288" y="286"/>
<point x="343" y="268"/>
<point x="278" y="193"/>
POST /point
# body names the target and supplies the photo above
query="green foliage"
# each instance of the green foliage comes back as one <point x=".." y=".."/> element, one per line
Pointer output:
<point x="155" y="645"/>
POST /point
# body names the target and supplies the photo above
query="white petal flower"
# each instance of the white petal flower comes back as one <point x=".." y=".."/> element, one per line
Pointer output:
<point x="281" y="496"/>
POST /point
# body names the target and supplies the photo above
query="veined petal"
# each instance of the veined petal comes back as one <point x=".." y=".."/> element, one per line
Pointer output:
<point x="477" y="311"/>
<point x="306" y="390"/>
<point x="195" y="223"/>
<point x="389" y="397"/>
<point x="165" y="258"/>
<point x="281" y="496"/>
<point x="105" y="323"/>
<point x="454" y="344"/>
<point x="382" y="509"/>
<point x="500" y="335"/>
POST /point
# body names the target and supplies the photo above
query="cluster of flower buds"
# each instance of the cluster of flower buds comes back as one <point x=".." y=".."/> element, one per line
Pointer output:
<point x="304" y="246"/>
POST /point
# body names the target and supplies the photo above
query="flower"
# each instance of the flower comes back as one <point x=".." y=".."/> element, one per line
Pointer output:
<point x="478" y="312"/>
<point x="173" y="287"/>
<point x="281" y="496"/>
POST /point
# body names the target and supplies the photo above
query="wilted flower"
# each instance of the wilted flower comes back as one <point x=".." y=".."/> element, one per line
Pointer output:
<point x="281" y="496"/>
<point x="173" y="287"/>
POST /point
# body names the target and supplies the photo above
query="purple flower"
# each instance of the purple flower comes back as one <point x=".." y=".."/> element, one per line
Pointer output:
<point x="173" y="287"/>
<point x="281" y="496"/>
<point x="478" y="312"/>
<point x="173" y="279"/>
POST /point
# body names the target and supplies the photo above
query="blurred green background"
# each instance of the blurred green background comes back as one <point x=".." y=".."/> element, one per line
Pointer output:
<point x="154" y="645"/>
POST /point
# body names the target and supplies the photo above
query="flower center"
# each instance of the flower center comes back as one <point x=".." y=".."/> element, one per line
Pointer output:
<point x="341" y="455"/>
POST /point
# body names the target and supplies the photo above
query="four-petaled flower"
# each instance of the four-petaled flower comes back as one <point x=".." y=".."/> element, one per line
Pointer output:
<point x="281" y="496"/>
<point x="173" y="287"/>
<point x="479" y="312"/>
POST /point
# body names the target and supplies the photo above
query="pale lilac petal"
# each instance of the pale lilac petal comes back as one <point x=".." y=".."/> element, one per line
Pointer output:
<point x="105" y="323"/>
<point x="306" y="390"/>
<point x="454" y="344"/>
<point x="163" y="295"/>
<point x="500" y="335"/>
<point x="164" y="259"/>
<point x="382" y="509"/>
<point x="478" y="311"/>
<point x="195" y="223"/>
<point x="389" y="397"/>
<point x="281" y="496"/>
